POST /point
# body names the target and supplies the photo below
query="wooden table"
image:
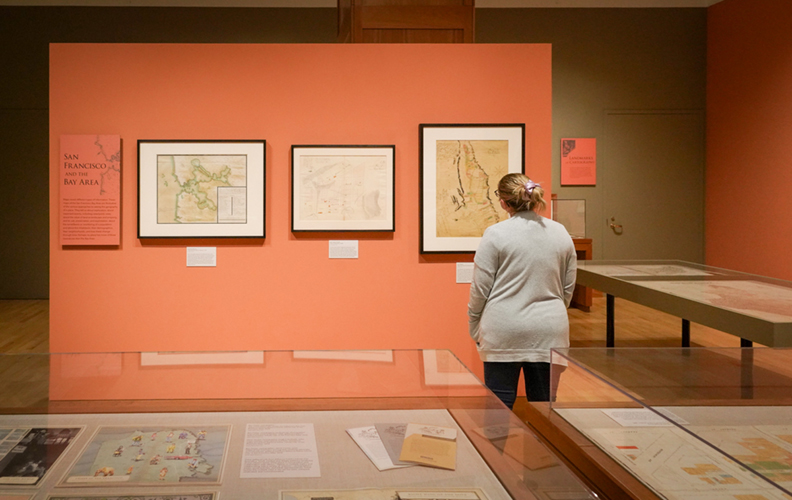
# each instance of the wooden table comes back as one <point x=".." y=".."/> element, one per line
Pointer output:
<point x="581" y="298"/>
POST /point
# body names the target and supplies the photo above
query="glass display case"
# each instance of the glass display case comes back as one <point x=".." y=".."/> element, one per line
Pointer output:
<point x="572" y="214"/>
<point x="755" y="308"/>
<point x="265" y="425"/>
<point x="682" y="423"/>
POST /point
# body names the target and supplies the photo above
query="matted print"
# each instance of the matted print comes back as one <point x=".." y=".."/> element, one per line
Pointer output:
<point x="201" y="189"/>
<point x="28" y="454"/>
<point x="461" y="166"/>
<point x="151" y="455"/>
<point x="343" y="188"/>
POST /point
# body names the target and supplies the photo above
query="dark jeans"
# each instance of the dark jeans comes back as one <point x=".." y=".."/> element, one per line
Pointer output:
<point x="502" y="378"/>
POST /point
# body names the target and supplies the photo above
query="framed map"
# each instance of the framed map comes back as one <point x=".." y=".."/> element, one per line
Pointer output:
<point x="201" y="189"/>
<point x="461" y="165"/>
<point x="151" y="455"/>
<point x="343" y="188"/>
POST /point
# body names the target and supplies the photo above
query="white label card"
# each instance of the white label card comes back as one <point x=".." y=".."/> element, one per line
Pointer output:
<point x="201" y="256"/>
<point x="280" y="450"/>
<point x="464" y="272"/>
<point x="343" y="249"/>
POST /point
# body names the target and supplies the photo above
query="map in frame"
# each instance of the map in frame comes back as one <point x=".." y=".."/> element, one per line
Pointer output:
<point x="201" y="188"/>
<point x="467" y="177"/>
<point x="343" y="188"/>
<point x="196" y="189"/>
<point x="461" y="166"/>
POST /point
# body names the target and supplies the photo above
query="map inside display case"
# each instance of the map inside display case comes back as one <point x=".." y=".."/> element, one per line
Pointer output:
<point x="756" y="308"/>
<point x="688" y="423"/>
<point x="277" y="428"/>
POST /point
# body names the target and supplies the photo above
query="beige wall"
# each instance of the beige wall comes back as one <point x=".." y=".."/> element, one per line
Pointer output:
<point x="607" y="60"/>
<point x="603" y="59"/>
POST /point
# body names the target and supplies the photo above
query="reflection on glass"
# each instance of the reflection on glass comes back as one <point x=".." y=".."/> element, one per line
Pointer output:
<point x="572" y="214"/>
<point x="682" y="418"/>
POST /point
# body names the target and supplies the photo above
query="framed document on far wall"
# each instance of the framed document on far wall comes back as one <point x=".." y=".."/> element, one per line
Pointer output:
<point x="201" y="189"/>
<point x="343" y="188"/>
<point x="461" y="165"/>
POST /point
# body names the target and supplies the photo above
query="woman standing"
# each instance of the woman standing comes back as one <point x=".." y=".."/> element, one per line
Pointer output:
<point x="522" y="285"/>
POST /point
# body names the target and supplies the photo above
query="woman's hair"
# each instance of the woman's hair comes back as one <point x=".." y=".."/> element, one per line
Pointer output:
<point x="520" y="193"/>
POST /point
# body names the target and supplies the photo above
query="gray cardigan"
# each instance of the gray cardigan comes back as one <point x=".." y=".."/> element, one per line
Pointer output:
<point x="524" y="276"/>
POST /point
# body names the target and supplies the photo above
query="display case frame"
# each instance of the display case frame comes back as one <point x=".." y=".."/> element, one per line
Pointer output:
<point x="497" y="454"/>
<point x="746" y="305"/>
<point x="667" y="422"/>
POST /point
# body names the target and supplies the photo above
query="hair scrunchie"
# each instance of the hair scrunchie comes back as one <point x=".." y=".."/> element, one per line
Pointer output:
<point x="529" y="187"/>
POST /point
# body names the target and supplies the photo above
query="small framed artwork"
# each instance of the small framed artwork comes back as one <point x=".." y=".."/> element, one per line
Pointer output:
<point x="201" y="189"/>
<point x="461" y="165"/>
<point x="343" y="188"/>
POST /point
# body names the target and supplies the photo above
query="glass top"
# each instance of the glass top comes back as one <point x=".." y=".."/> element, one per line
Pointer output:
<point x="651" y="270"/>
<point x="84" y="404"/>
<point x="760" y="297"/>
<point x="680" y="418"/>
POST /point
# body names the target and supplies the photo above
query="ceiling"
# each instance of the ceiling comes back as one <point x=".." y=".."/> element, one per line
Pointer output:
<point x="332" y="3"/>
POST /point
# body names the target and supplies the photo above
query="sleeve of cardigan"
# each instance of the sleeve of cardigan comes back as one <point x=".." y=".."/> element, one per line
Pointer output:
<point x="570" y="275"/>
<point x="486" y="266"/>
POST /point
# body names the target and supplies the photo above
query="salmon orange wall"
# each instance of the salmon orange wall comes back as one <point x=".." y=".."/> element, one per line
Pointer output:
<point x="749" y="130"/>
<point x="282" y="292"/>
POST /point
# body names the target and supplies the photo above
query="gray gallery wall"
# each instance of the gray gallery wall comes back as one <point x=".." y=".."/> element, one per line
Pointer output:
<point x="603" y="60"/>
<point x="607" y="61"/>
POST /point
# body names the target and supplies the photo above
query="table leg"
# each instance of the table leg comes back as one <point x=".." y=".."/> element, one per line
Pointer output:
<point x="746" y="373"/>
<point x="685" y="333"/>
<point x="610" y="339"/>
<point x="746" y="343"/>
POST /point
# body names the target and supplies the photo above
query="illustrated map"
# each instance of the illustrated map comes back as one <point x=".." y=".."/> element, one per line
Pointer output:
<point x="201" y="189"/>
<point x="468" y="173"/>
<point x="151" y="455"/>
<point x="679" y="466"/>
<point x="344" y="188"/>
